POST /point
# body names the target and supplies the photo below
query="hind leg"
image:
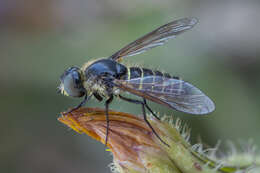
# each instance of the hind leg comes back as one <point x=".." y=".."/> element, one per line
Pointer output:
<point x="144" y="115"/>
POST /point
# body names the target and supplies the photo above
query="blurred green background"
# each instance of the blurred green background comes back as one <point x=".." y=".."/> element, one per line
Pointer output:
<point x="40" y="39"/>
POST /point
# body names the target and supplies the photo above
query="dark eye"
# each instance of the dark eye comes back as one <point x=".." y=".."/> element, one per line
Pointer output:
<point x="72" y="83"/>
<point x="77" y="79"/>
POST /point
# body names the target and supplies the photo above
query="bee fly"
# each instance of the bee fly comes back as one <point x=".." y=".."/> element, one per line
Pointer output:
<point x="107" y="77"/>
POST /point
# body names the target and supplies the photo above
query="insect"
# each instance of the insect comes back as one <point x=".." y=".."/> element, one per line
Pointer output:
<point x="107" y="78"/>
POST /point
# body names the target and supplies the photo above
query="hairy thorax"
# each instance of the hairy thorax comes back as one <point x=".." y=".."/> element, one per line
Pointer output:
<point x="95" y="85"/>
<point x="99" y="76"/>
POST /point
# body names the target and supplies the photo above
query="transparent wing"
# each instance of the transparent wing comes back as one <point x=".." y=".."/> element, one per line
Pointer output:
<point x="174" y="93"/>
<point x="155" y="38"/>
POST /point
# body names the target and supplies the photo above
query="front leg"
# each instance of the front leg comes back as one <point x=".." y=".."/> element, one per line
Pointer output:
<point x="80" y="105"/>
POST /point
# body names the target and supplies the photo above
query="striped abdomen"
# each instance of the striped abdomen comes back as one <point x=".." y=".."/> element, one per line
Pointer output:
<point x="137" y="72"/>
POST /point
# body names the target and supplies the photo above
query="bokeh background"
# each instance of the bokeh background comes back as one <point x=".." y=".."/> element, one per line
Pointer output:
<point x="39" y="39"/>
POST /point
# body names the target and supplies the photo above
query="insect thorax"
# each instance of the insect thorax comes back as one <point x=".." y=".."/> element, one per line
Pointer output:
<point x="98" y="74"/>
<point x="93" y="85"/>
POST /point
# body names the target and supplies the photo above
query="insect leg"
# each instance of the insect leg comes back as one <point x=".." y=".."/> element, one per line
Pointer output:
<point x="144" y="114"/>
<point x="150" y="109"/>
<point x="97" y="96"/>
<point x="80" y="105"/>
<point x="107" y="117"/>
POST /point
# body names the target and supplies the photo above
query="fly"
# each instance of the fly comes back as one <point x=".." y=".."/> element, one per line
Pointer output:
<point x="107" y="78"/>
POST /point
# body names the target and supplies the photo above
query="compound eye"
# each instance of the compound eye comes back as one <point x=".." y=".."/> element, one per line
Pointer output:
<point x="76" y="78"/>
<point x="72" y="85"/>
